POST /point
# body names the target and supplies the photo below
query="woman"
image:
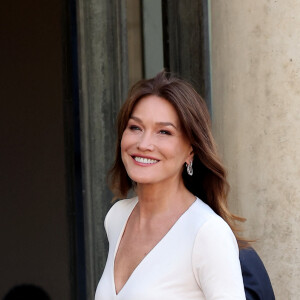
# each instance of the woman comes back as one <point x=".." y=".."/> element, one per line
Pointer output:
<point x="176" y="239"/>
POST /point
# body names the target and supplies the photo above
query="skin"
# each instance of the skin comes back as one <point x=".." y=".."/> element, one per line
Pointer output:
<point x="153" y="132"/>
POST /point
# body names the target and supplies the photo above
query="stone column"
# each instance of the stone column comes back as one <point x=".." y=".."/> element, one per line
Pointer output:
<point x="256" y="118"/>
<point x="103" y="87"/>
<point x="186" y="42"/>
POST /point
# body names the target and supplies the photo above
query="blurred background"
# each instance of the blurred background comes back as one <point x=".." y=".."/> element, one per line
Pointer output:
<point x="66" y="66"/>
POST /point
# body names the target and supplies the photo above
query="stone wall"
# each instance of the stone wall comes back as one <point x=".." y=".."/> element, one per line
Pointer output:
<point x="255" y="48"/>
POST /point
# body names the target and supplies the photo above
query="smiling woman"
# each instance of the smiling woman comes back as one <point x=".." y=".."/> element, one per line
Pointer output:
<point x="176" y="239"/>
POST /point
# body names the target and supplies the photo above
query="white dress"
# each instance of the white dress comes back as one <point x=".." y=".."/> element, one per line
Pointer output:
<point x="197" y="259"/>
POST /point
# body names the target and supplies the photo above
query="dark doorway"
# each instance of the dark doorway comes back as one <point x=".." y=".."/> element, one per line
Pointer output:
<point x="39" y="237"/>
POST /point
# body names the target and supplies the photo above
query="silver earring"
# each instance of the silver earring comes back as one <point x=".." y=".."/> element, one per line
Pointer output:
<point x="189" y="168"/>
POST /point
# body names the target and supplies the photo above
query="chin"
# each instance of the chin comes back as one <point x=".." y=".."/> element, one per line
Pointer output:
<point x="142" y="179"/>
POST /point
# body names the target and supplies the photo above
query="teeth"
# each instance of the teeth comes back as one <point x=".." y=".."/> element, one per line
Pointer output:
<point x="145" y="160"/>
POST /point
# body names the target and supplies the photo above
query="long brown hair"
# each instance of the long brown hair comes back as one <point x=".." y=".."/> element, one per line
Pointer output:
<point x="209" y="181"/>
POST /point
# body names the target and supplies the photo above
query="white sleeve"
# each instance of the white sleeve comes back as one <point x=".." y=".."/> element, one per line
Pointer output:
<point x="216" y="262"/>
<point x="108" y="221"/>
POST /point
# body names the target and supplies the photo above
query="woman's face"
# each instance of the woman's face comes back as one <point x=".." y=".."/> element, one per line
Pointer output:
<point x="153" y="147"/>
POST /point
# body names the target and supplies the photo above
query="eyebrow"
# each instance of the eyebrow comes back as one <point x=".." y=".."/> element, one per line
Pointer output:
<point x="159" y="123"/>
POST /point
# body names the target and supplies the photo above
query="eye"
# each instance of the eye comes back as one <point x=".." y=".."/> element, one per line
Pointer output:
<point x="165" y="132"/>
<point x="134" y="127"/>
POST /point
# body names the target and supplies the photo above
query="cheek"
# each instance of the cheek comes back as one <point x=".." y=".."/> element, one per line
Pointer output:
<point x="182" y="152"/>
<point x="124" y="142"/>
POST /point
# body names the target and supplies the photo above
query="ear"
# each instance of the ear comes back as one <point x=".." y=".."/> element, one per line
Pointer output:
<point x="190" y="156"/>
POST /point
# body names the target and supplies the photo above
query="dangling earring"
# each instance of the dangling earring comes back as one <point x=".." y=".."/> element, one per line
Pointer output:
<point x="189" y="168"/>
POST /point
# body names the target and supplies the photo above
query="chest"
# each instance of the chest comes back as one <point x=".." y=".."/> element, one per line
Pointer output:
<point x="133" y="248"/>
<point x="165" y="272"/>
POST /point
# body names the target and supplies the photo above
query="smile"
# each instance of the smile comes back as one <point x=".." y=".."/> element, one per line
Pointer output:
<point x="145" y="160"/>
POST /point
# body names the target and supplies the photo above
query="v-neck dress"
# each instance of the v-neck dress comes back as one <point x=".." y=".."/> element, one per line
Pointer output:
<point x="197" y="259"/>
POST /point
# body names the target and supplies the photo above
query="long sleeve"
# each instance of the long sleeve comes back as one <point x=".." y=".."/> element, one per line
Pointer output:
<point x="216" y="262"/>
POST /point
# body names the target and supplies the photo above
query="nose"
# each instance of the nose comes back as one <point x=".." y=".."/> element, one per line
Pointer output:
<point x="145" y="142"/>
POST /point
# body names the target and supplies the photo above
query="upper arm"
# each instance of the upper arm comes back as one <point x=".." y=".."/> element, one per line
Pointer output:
<point x="216" y="262"/>
<point x="108" y="220"/>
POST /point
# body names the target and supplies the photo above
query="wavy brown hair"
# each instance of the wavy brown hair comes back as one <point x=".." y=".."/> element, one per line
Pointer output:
<point x="209" y="181"/>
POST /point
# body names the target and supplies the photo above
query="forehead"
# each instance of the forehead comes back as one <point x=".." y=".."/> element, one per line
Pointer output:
<point x="156" y="108"/>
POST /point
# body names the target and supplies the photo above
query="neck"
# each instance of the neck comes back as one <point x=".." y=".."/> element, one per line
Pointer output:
<point x="163" y="199"/>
